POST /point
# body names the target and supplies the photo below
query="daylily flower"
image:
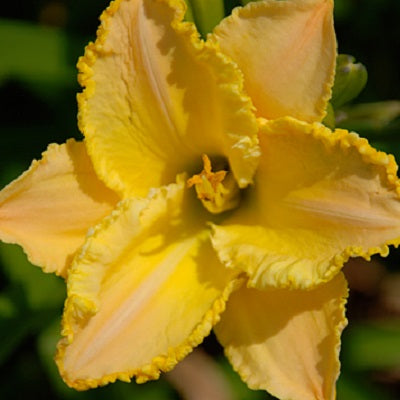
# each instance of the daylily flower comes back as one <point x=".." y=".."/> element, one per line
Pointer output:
<point x="213" y="193"/>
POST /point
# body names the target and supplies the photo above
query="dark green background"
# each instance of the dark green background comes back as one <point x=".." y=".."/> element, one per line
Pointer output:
<point x="40" y="42"/>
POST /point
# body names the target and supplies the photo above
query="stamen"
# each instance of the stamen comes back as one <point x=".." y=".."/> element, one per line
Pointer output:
<point x="218" y="191"/>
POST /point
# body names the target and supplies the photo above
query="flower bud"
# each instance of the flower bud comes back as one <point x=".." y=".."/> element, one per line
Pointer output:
<point x="350" y="79"/>
<point x="205" y="13"/>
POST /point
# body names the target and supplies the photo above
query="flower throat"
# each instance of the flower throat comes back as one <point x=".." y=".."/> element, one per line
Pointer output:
<point x="218" y="191"/>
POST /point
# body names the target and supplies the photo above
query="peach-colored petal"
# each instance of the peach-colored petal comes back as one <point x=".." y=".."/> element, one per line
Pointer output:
<point x="50" y="207"/>
<point x="287" y="52"/>
<point x="146" y="288"/>
<point x="319" y="198"/>
<point x="286" y="341"/>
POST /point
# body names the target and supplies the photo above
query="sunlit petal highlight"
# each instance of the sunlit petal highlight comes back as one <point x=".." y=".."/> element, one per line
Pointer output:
<point x="146" y="288"/>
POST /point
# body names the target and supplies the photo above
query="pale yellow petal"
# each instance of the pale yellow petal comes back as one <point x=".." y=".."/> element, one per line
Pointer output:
<point x="157" y="97"/>
<point x="286" y="341"/>
<point x="320" y="197"/>
<point x="50" y="207"/>
<point x="287" y="52"/>
<point x="146" y="288"/>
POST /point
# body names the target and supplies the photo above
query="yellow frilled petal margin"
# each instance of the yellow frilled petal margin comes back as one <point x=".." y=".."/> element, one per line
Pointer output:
<point x="286" y="341"/>
<point x="319" y="198"/>
<point x="156" y="98"/>
<point x="146" y="288"/>
<point x="287" y="52"/>
<point x="51" y="206"/>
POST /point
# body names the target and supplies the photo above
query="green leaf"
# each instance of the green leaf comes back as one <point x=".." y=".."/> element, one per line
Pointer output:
<point x="41" y="290"/>
<point x="30" y="300"/>
<point x="206" y="14"/>
<point x="369" y="117"/>
<point x="372" y="346"/>
<point x="8" y="309"/>
<point x="17" y="321"/>
<point x="350" y="79"/>
<point x="350" y="387"/>
<point x="34" y="54"/>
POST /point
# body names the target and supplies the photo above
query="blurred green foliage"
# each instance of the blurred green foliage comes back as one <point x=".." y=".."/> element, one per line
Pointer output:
<point x="40" y="42"/>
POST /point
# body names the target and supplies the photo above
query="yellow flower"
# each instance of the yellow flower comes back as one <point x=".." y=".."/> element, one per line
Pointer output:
<point x="279" y="205"/>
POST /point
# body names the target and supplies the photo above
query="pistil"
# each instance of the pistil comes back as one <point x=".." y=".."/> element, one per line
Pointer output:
<point x="218" y="191"/>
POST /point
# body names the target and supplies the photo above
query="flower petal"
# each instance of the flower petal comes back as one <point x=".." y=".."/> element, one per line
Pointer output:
<point x="320" y="197"/>
<point x="287" y="52"/>
<point x="157" y="97"/>
<point x="145" y="290"/>
<point x="50" y="207"/>
<point x="286" y="341"/>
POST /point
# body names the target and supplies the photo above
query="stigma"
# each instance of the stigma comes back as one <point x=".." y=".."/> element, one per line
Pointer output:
<point x="218" y="191"/>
